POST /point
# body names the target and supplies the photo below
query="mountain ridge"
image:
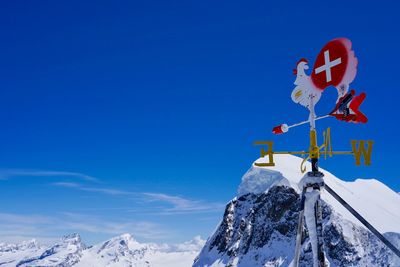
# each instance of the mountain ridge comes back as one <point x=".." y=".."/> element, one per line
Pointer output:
<point x="122" y="250"/>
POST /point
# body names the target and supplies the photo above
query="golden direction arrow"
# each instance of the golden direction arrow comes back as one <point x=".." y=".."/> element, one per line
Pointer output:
<point x="360" y="149"/>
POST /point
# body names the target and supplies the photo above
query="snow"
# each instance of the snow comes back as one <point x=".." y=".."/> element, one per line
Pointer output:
<point x="258" y="180"/>
<point x="373" y="200"/>
<point x="10" y="252"/>
<point x="376" y="202"/>
<point x="120" y="251"/>
<point x="125" y="251"/>
<point x="309" y="215"/>
<point x="250" y="233"/>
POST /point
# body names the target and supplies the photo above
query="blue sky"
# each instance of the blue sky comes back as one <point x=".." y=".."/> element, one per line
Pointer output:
<point x="139" y="116"/>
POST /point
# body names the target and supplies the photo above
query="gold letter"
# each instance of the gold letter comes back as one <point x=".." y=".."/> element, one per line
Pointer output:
<point x="264" y="153"/>
<point x="327" y="143"/>
<point x="302" y="167"/>
<point x="361" y="151"/>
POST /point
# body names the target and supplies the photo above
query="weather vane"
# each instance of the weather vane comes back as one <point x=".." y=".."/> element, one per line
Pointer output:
<point x="335" y="65"/>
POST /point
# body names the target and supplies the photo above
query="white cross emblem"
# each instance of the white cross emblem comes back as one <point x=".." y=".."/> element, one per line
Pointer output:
<point x="328" y="65"/>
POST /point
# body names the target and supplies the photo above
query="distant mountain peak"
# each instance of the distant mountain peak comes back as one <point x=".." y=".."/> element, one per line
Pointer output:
<point x="25" y="245"/>
<point x="119" y="251"/>
<point x="122" y="244"/>
<point x="73" y="238"/>
<point x="127" y="236"/>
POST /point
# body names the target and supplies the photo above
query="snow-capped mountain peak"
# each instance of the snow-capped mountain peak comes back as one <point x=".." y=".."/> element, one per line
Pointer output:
<point x="25" y="245"/>
<point x="124" y="242"/>
<point x="259" y="225"/>
<point x="73" y="238"/>
<point x="375" y="201"/>
<point x="122" y="250"/>
<point x="66" y="252"/>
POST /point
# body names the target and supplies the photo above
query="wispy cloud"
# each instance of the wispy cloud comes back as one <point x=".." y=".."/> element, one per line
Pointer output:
<point x="37" y="226"/>
<point x="18" y="218"/>
<point x="67" y="184"/>
<point x="148" y="205"/>
<point x="108" y="191"/>
<point x="94" y="224"/>
<point x="183" y="205"/>
<point x="169" y="204"/>
<point x="102" y="190"/>
<point x="12" y="173"/>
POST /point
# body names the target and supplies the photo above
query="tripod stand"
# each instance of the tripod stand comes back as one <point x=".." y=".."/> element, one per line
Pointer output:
<point x="311" y="213"/>
<point x="310" y="207"/>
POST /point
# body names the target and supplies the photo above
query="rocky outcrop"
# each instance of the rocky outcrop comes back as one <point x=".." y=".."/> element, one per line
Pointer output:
<point x="260" y="230"/>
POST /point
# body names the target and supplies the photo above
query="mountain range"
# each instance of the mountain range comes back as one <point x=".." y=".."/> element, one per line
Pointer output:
<point x="257" y="229"/>
<point x="120" y="251"/>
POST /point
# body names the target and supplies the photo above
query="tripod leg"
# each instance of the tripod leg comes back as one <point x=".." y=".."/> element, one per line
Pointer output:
<point x="309" y="217"/>
<point x="299" y="236"/>
<point x="363" y="221"/>
<point x="318" y="223"/>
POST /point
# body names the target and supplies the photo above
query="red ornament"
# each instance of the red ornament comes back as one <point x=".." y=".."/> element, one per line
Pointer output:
<point x="331" y="64"/>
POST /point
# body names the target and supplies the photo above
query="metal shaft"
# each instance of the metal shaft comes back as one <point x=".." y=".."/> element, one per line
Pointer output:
<point x="307" y="121"/>
<point x="318" y="222"/>
<point x="299" y="235"/>
<point x="363" y="221"/>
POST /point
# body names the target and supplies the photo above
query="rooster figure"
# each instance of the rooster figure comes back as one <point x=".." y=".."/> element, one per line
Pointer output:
<point x="336" y="65"/>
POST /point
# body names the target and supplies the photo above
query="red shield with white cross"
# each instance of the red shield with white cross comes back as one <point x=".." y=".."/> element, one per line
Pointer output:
<point x="331" y="65"/>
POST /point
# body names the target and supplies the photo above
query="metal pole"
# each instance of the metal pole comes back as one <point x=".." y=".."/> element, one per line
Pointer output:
<point x="299" y="235"/>
<point x="307" y="121"/>
<point x="314" y="155"/>
<point x="363" y="221"/>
